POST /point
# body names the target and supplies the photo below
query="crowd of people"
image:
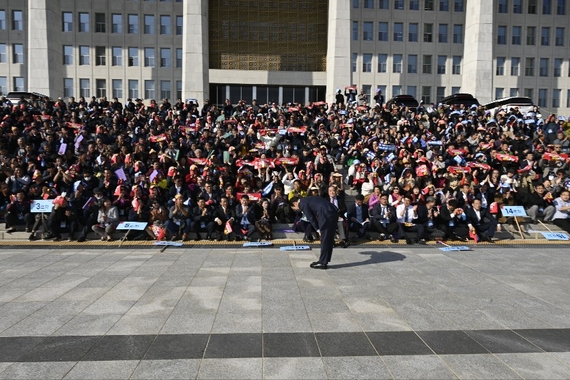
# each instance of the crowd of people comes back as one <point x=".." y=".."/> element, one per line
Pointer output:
<point x="229" y="171"/>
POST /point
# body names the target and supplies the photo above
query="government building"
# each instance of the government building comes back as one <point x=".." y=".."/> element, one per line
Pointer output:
<point x="287" y="50"/>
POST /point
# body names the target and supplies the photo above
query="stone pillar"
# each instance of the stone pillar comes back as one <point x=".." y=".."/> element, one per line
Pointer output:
<point x="478" y="50"/>
<point x="195" y="58"/>
<point x="339" y="73"/>
<point x="44" y="55"/>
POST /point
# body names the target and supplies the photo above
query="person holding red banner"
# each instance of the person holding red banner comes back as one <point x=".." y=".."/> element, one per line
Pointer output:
<point x="480" y="221"/>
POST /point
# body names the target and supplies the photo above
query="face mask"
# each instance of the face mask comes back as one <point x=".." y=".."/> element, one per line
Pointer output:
<point x="87" y="178"/>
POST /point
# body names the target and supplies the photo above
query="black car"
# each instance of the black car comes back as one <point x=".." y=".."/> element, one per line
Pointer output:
<point x="460" y="99"/>
<point x="407" y="100"/>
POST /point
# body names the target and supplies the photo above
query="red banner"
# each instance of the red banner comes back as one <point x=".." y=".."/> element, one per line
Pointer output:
<point x="506" y="157"/>
<point x="287" y="161"/>
<point x="458" y="169"/>
<point x="297" y="130"/>
<point x="254" y="197"/>
<point x="422" y="171"/>
<point x="158" y="138"/>
<point x="555" y="157"/>
<point x="478" y="165"/>
<point x="198" y="161"/>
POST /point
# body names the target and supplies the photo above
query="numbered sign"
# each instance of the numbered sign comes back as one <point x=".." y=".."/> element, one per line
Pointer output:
<point x="135" y="226"/>
<point x="513" y="211"/>
<point x="455" y="248"/>
<point x="40" y="205"/>
<point x="169" y="243"/>
<point x="296" y="248"/>
<point x="555" y="236"/>
<point x="258" y="244"/>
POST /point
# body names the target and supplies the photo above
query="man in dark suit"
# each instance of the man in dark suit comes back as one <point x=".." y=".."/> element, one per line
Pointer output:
<point x="358" y="220"/>
<point x="384" y="219"/>
<point x="481" y="221"/>
<point x="223" y="215"/>
<point x="323" y="216"/>
<point x="246" y="216"/>
<point x="453" y="221"/>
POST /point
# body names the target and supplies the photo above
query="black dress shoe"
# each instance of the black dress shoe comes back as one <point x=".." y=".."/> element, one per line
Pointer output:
<point x="319" y="266"/>
<point x="393" y="239"/>
<point x="314" y="263"/>
<point x="409" y="241"/>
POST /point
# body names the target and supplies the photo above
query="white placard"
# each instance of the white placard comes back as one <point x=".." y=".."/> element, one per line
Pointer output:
<point x="513" y="211"/>
<point x="258" y="244"/>
<point x="555" y="235"/>
<point x="296" y="248"/>
<point x="135" y="226"/>
<point x="169" y="243"/>
<point x="40" y="205"/>
<point x="455" y="248"/>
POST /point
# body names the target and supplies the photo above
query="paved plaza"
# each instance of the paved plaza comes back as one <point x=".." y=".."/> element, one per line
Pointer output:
<point x="377" y="312"/>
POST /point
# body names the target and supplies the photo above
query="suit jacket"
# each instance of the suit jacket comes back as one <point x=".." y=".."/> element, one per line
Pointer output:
<point x="224" y="216"/>
<point x="342" y="210"/>
<point x="376" y="213"/>
<point x="351" y="212"/>
<point x="472" y="216"/>
<point x="252" y="213"/>
<point x="318" y="211"/>
<point x="445" y="217"/>
<point x="197" y="215"/>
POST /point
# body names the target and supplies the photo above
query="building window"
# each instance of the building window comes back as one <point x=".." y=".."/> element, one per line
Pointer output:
<point x="165" y="89"/>
<point x="354" y="62"/>
<point x="545" y="36"/>
<point x="456" y="69"/>
<point x="17" y="23"/>
<point x="515" y="66"/>
<point x="459" y="5"/>
<point x="133" y="24"/>
<point x="149" y="89"/>
<point x="67" y="87"/>
<point x="396" y="90"/>
<point x="500" y="66"/>
<point x="546" y="7"/>
<point x="517" y="6"/>
<point x="101" y="88"/>
<point x="516" y="38"/>
<point x="67" y="55"/>
<point x="499" y="93"/>
<point x="442" y="33"/>
<point x="382" y="63"/>
<point x="398" y="31"/>
<point x="397" y="63"/>
<point x="355" y="3"/>
<point x="531" y="35"/>
<point x="455" y="90"/>
<point x="100" y="56"/>
<point x="556" y="98"/>
<point x="529" y="67"/>
<point x="458" y="34"/>
<point x="84" y="22"/>
<point x="83" y="55"/>
<point x="502" y="35"/>
<point x="542" y="97"/>
<point x="369" y="4"/>
<point x="439" y="94"/>
<point x="426" y="94"/>
<point x="443" y="5"/>
<point x="355" y="30"/>
<point x="19" y="84"/>
<point x="100" y="23"/>
<point x="165" y="25"/>
<point x="441" y="62"/>
<point x="133" y="88"/>
<point x="148" y="24"/>
<point x="149" y="57"/>
<point x="367" y="31"/>
<point x="532" y="7"/>
<point x="133" y="56"/>
<point x="503" y="6"/>
<point x="178" y="57"/>
<point x="557" y="72"/>
<point x="426" y="68"/>
<point x="561" y="7"/>
<point x="528" y="92"/>
<point x="559" y="41"/>
<point x="117" y="53"/>
<point x="543" y="67"/>
<point x="428" y="5"/>
<point x="84" y="87"/>
<point x="117" y="86"/>
<point x="67" y="19"/>
<point x="513" y="92"/>
<point x="382" y="31"/>
<point x="428" y="32"/>
<point x="179" y="25"/>
<point x="178" y="89"/>
<point x="116" y="23"/>
<point x="165" y="57"/>
<point x="412" y="64"/>
<point x="383" y="4"/>
<point x="367" y="63"/>
<point x="3" y="23"/>
<point x="413" y="32"/>
<point x="567" y="98"/>
<point x="414" y="5"/>
<point x="412" y="90"/>
<point x="3" y="53"/>
<point x="399" y="4"/>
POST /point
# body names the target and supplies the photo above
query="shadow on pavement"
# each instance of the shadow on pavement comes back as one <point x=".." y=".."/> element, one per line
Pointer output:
<point x="376" y="257"/>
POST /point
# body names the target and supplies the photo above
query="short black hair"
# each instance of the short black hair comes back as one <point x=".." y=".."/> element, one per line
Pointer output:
<point x="294" y="200"/>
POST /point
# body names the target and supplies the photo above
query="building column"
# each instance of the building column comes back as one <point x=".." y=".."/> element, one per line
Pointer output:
<point x="195" y="58"/>
<point x="478" y="50"/>
<point x="44" y="58"/>
<point x="339" y="73"/>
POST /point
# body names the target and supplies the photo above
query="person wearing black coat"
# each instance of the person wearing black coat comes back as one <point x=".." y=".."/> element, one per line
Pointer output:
<point x="358" y="219"/>
<point x="323" y="216"/>
<point x="453" y="221"/>
<point x="223" y="214"/>
<point x="384" y="219"/>
<point x="481" y="221"/>
<point x="246" y="215"/>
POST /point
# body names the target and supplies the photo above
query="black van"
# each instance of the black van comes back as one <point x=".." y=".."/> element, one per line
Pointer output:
<point x="407" y="100"/>
<point x="460" y="99"/>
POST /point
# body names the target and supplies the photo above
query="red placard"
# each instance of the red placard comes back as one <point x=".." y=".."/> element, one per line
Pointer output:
<point x="478" y="165"/>
<point x="254" y="197"/>
<point x="158" y="138"/>
<point x="506" y="157"/>
<point x="422" y="171"/>
<point x="287" y="161"/>
<point x="459" y="169"/>
<point x="297" y="129"/>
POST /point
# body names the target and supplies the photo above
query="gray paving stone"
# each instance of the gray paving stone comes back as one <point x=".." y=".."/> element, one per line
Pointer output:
<point x="105" y="306"/>
<point x="516" y="318"/>
<point x="293" y="368"/>
<point x="478" y="367"/>
<point x="197" y="322"/>
<point x="334" y="322"/>
<point x="102" y="370"/>
<point x="140" y="324"/>
<point x="5" y="365"/>
<point x="88" y="324"/>
<point x="357" y="367"/>
<point x="242" y="368"/>
<point x="535" y="366"/>
<point x="166" y="369"/>
<point x="40" y="371"/>
<point x="418" y="367"/>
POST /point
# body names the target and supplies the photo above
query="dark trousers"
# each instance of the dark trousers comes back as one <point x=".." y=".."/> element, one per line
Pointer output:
<point x="360" y="229"/>
<point x="487" y="229"/>
<point x="90" y="220"/>
<point x="564" y="224"/>
<point x="387" y="229"/>
<point x="419" y="229"/>
<point x="327" y="240"/>
<point x="306" y="227"/>
<point x="12" y="219"/>
<point x="459" y="230"/>
<point x="196" y="227"/>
